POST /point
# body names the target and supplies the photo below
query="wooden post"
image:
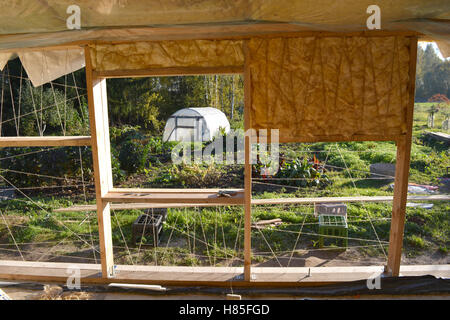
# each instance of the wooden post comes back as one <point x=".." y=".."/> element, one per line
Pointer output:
<point x="247" y="170"/>
<point x="98" y="118"/>
<point x="402" y="174"/>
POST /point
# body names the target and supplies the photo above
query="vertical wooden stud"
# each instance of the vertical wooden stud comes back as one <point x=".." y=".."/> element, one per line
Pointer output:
<point x="247" y="169"/>
<point x="98" y="118"/>
<point x="402" y="174"/>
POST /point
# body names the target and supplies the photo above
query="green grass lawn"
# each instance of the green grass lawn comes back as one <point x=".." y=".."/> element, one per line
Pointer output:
<point x="425" y="231"/>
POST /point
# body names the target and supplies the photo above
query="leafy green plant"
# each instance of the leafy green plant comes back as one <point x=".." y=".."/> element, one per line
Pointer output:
<point x="198" y="175"/>
<point x="416" y="241"/>
<point x="439" y="101"/>
<point x="303" y="174"/>
<point x="443" y="249"/>
<point x="118" y="173"/>
<point x="133" y="155"/>
<point x="123" y="133"/>
<point x="167" y="176"/>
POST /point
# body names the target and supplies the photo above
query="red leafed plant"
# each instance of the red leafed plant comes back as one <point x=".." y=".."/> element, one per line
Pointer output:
<point x="441" y="102"/>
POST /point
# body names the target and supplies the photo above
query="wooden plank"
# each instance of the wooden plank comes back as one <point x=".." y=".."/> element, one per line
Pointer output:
<point x="247" y="167"/>
<point x="275" y="201"/>
<point x="402" y="174"/>
<point x="46" y="141"/>
<point x="175" y="190"/>
<point x="205" y="276"/>
<point x="138" y="206"/>
<point x="439" y="197"/>
<point x="98" y="117"/>
<point x="440" y="136"/>
<point x="399" y="206"/>
<point x="170" y="71"/>
<point x="171" y="197"/>
<point x="61" y="47"/>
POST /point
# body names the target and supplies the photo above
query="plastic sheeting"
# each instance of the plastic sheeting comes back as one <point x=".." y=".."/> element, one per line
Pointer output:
<point x="4" y="57"/>
<point x="335" y="88"/>
<point x="34" y="23"/>
<point x="38" y="23"/>
<point x="397" y="287"/>
<point x="195" y="124"/>
<point x="45" y="66"/>
<point x="32" y="16"/>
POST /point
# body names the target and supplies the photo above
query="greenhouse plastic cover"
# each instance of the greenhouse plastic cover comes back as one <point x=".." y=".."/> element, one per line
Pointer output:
<point x="36" y="23"/>
<point x="211" y="120"/>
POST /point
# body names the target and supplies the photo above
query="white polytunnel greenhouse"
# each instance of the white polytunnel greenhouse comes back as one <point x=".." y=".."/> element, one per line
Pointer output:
<point x="195" y="124"/>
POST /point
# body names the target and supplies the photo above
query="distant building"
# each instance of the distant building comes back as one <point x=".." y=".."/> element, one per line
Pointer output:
<point x="195" y="124"/>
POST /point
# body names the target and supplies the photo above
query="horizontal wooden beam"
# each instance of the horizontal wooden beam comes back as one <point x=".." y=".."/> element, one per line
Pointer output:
<point x="46" y="141"/>
<point x="143" y="206"/>
<point x="205" y="276"/>
<point x="60" y="47"/>
<point x="177" y="196"/>
<point x="175" y="190"/>
<point x="135" y="206"/>
<point x="172" y="71"/>
<point x="441" y="197"/>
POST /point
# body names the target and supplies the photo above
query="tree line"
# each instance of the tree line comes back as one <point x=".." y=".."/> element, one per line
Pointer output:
<point x="432" y="74"/>
<point x="60" y="107"/>
<point x="148" y="102"/>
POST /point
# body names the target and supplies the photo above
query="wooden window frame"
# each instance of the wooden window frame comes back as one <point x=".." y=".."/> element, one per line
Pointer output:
<point x="100" y="143"/>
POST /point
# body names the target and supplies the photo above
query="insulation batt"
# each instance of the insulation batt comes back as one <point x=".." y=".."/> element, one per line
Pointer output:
<point x="162" y="54"/>
<point x="316" y="87"/>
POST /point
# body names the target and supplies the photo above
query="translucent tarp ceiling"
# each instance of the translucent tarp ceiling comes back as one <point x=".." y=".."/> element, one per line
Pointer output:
<point x="43" y="23"/>
<point x="37" y="22"/>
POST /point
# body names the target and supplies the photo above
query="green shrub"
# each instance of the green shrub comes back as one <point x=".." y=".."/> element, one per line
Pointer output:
<point x="117" y="172"/>
<point x="38" y="169"/>
<point x="133" y="155"/>
<point x="416" y="241"/>
<point x="378" y="157"/>
<point x="198" y="175"/>
<point x="443" y="249"/>
<point x="121" y="134"/>
<point x="57" y="112"/>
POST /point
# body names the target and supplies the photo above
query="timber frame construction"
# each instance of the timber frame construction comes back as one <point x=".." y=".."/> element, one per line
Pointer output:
<point x="246" y="63"/>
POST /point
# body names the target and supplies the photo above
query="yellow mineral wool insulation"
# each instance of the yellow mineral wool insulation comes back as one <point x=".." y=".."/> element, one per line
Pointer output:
<point x="166" y="54"/>
<point x="322" y="88"/>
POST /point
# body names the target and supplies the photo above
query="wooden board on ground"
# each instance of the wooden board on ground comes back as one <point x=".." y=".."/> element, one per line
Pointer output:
<point x="441" y="136"/>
